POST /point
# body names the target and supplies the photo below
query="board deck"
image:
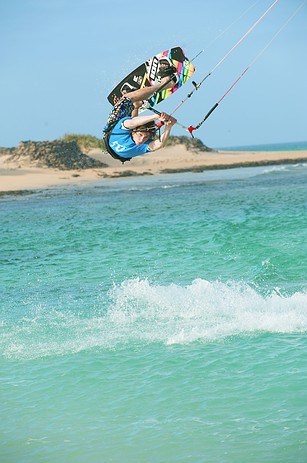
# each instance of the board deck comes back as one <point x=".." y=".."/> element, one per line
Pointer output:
<point x="145" y="75"/>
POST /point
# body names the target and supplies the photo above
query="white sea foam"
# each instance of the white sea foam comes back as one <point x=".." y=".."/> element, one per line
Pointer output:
<point x="284" y="168"/>
<point x="204" y="310"/>
<point x="143" y="312"/>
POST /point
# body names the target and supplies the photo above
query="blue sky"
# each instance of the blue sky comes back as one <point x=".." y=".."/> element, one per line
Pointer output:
<point x="60" y="59"/>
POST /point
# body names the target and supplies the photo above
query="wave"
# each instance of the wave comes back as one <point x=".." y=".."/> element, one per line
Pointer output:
<point x="140" y="312"/>
<point x="285" y="168"/>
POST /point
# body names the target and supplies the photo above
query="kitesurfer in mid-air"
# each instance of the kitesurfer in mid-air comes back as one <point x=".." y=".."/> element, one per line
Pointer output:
<point x="127" y="134"/>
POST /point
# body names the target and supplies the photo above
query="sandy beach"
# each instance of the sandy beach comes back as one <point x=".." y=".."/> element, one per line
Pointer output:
<point x="22" y="175"/>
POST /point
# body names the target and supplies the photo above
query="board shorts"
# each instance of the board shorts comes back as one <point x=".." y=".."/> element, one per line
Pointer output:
<point x="123" y="108"/>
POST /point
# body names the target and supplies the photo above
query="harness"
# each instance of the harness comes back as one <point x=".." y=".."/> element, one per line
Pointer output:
<point x="106" y="138"/>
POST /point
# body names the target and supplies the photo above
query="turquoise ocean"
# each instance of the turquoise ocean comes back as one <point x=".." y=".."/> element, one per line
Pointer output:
<point x="156" y="319"/>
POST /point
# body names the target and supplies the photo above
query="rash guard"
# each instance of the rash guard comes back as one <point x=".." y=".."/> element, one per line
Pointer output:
<point x="122" y="143"/>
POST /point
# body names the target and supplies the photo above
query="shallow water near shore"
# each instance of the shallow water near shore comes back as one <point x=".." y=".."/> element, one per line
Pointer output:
<point x="156" y="319"/>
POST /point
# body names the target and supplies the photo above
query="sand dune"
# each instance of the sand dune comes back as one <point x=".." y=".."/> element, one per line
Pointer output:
<point x="22" y="175"/>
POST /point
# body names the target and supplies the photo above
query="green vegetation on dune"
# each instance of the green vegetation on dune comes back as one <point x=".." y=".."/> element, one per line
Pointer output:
<point x="85" y="142"/>
<point x="89" y="142"/>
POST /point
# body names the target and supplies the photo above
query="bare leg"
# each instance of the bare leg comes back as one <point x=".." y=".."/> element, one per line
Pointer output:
<point x="136" y="98"/>
<point x="135" y="112"/>
<point x="146" y="92"/>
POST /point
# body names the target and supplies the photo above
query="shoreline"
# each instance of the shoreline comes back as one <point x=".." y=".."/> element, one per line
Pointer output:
<point x="21" y="176"/>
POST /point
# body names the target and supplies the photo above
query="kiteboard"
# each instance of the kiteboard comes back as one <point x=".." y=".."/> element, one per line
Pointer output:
<point x="146" y="75"/>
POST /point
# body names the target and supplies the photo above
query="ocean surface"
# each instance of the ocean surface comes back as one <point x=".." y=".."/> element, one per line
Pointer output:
<point x="156" y="319"/>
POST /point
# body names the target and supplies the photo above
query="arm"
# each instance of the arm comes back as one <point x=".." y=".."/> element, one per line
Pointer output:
<point x="139" y="120"/>
<point x="169" y="122"/>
